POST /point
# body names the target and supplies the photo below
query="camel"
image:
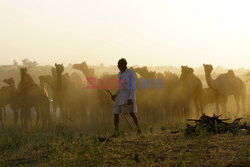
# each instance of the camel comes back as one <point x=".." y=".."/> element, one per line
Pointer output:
<point x="209" y="97"/>
<point x="149" y="98"/>
<point x="4" y="100"/>
<point x="225" y="85"/>
<point x="173" y="97"/>
<point x="176" y="101"/>
<point x="75" y="98"/>
<point x="193" y="88"/>
<point x="31" y="95"/>
<point x="60" y="92"/>
<point x="98" y="99"/>
<point x="93" y="101"/>
<point x="69" y="97"/>
<point x="77" y="80"/>
<point x="8" y="97"/>
<point x="84" y="68"/>
<point x="42" y="86"/>
<point x="144" y="72"/>
<point x="50" y="81"/>
<point x="13" y="98"/>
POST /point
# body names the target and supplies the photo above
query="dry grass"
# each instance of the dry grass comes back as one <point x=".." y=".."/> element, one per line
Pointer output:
<point x="64" y="146"/>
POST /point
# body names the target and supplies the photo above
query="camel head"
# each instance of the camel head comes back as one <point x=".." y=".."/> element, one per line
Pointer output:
<point x="208" y="68"/>
<point x="26" y="79"/>
<point x="84" y="68"/>
<point x="9" y="81"/>
<point x="59" y="68"/>
<point x="48" y="79"/>
<point x="230" y="73"/>
<point x="44" y="78"/>
<point x="186" y="70"/>
<point x="144" y="72"/>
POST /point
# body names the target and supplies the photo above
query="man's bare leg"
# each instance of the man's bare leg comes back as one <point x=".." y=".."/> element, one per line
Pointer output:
<point x="136" y="122"/>
<point x="116" y="123"/>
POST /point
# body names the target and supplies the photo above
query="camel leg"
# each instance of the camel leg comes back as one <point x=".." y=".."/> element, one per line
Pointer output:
<point x="217" y="108"/>
<point x="25" y="119"/>
<point x="25" y="116"/>
<point x="172" y="110"/>
<point x="29" y="117"/>
<point x="197" y="107"/>
<point x="237" y="100"/>
<point x="243" y="99"/>
<point x="186" y="110"/>
<point x="182" y="112"/>
<point x="15" y="117"/>
<point x="54" y="111"/>
<point x="61" y="112"/>
<point x="45" y="114"/>
<point x="43" y="119"/>
<point x="187" y="107"/>
<point x="201" y="106"/>
<point x="224" y="107"/>
<point x="48" y="119"/>
<point x="37" y="115"/>
<point x="21" y="117"/>
<point x="1" y="117"/>
<point x="4" y="114"/>
<point x="37" y="118"/>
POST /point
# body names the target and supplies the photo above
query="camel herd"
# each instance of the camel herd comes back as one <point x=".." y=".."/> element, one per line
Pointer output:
<point x="72" y="103"/>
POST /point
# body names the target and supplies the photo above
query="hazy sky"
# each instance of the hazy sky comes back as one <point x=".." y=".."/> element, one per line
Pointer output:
<point x="146" y="32"/>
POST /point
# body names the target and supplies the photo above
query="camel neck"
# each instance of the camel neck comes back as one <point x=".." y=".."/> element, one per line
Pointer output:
<point x="51" y="82"/>
<point x="209" y="80"/>
<point x="12" y="88"/>
<point x="59" y="81"/>
<point x="42" y="85"/>
<point x="27" y="82"/>
<point x="88" y="73"/>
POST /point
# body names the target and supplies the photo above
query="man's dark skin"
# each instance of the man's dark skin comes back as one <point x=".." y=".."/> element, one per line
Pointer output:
<point x="122" y="67"/>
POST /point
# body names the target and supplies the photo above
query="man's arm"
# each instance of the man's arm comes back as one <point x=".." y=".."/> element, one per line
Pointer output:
<point x="118" y="91"/>
<point x="115" y="95"/>
<point x="132" y="86"/>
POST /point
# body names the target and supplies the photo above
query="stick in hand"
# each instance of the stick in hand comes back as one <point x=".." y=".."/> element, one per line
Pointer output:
<point x="112" y="96"/>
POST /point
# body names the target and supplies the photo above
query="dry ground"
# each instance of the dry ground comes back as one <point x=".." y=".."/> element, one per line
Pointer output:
<point x="62" y="146"/>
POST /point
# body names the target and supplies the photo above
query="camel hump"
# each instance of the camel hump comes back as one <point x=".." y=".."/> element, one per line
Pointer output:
<point x="186" y="70"/>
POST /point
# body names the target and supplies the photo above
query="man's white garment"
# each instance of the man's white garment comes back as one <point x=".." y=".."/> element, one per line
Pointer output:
<point x="125" y="92"/>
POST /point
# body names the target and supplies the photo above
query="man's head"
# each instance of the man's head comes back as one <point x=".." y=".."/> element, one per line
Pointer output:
<point x="122" y="64"/>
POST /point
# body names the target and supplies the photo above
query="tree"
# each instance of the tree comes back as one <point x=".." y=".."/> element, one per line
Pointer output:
<point x="28" y="63"/>
<point x="15" y="63"/>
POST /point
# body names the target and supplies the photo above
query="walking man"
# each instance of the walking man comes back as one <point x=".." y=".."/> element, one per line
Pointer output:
<point x="125" y="101"/>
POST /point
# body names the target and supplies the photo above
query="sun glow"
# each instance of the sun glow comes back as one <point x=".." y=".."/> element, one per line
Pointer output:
<point x="145" y="32"/>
